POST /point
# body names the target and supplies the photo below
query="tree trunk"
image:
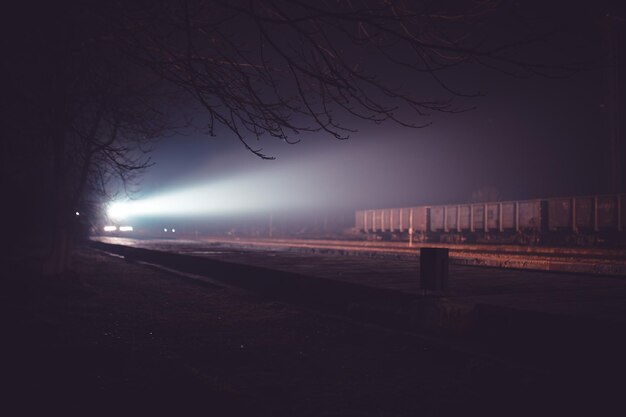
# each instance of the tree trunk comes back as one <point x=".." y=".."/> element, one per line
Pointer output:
<point x="57" y="262"/>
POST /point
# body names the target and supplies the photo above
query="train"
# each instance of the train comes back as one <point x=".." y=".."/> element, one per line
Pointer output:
<point x="593" y="220"/>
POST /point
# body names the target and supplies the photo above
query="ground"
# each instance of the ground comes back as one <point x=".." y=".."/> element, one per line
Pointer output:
<point x="123" y="337"/>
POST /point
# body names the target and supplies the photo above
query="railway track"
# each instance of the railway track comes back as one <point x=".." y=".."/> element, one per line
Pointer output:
<point x="573" y="260"/>
<point x="404" y="246"/>
<point x="595" y="261"/>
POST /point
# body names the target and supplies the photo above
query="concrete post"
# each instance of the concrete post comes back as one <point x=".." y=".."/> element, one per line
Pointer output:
<point x="434" y="269"/>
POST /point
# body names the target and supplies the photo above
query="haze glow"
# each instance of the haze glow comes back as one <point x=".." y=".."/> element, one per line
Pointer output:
<point x="271" y="190"/>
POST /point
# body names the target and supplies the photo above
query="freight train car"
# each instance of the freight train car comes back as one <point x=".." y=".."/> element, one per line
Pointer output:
<point x="389" y="223"/>
<point x="587" y="220"/>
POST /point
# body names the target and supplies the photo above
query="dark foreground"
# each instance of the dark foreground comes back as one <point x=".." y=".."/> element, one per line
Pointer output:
<point x="130" y="339"/>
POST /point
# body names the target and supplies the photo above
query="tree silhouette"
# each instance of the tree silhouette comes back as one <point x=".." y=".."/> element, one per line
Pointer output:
<point x="278" y="68"/>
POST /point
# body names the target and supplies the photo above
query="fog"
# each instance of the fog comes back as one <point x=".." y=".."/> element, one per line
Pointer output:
<point x="526" y="138"/>
<point x="524" y="143"/>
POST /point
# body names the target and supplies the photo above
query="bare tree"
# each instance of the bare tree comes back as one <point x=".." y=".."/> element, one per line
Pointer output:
<point x="278" y="68"/>
<point x="106" y="141"/>
<point x="89" y="115"/>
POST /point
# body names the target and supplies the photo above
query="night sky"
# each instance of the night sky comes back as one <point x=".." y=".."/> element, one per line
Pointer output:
<point x="524" y="137"/>
<point x="527" y="138"/>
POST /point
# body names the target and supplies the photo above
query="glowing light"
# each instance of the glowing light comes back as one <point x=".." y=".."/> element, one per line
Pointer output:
<point x="118" y="210"/>
<point x="318" y="181"/>
<point x="232" y="197"/>
<point x="110" y="228"/>
<point x="77" y="213"/>
<point x="126" y="228"/>
<point x="173" y="230"/>
<point x="270" y="190"/>
<point x="165" y="230"/>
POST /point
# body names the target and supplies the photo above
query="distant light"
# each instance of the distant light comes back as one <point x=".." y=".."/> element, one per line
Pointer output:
<point x="77" y="213"/>
<point x="110" y="228"/>
<point x="126" y="228"/>
<point x="173" y="230"/>
<point x="165" y="230"/>
<point x="118" y="211"/>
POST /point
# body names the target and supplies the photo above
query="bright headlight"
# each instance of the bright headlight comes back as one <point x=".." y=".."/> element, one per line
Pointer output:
<point x="118" y="210"/>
